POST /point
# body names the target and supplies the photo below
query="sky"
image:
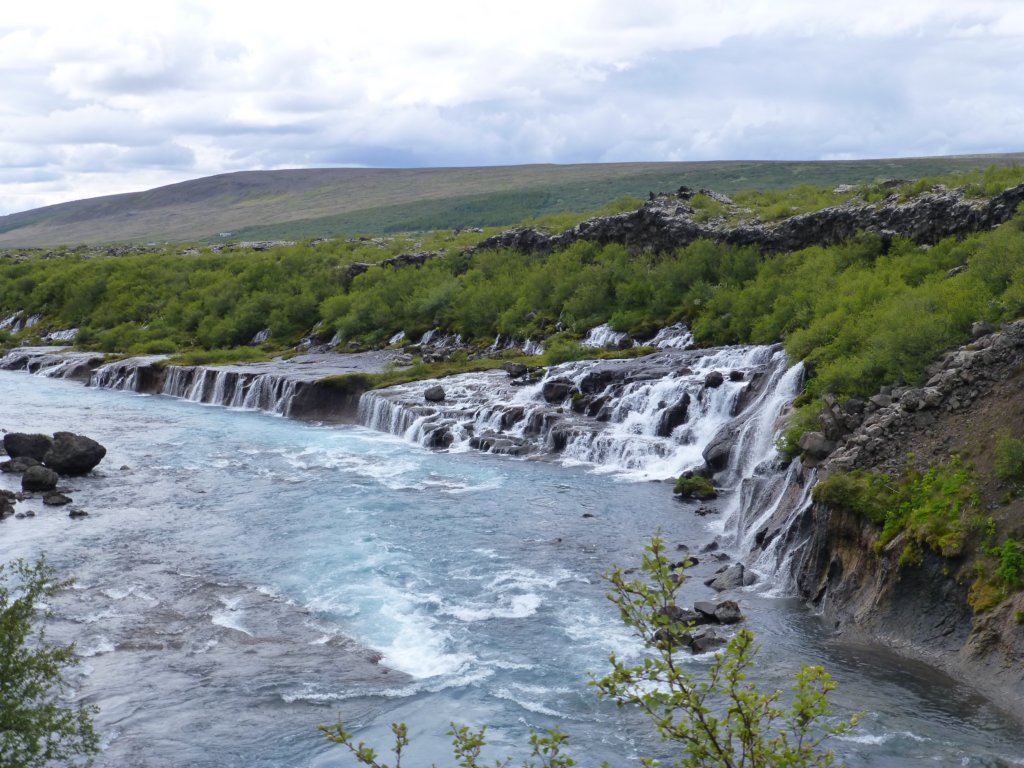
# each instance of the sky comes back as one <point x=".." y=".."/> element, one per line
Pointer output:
<point x="106" y="96"/>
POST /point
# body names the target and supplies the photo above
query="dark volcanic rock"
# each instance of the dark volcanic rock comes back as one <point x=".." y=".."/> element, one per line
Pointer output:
<point x="55" y="499"/>
<point x="73" y="454"/>
<point x="434" y="394"/>
<point x="716" y="454"/>
<point x="39" y="478"/>
<point x="728" y="612"/>
<point x="673" y="416"/>
<point x="514" y="370"/>
<point x="6" y="504"/>
<point x="714" y="379"/>
<point x="668" y="221"/>
<point x="18" y="465"/>
<point x="706" y="639"/>
<point x="731" y="578"/>
<point x="20" y="444"/>
<point x="556" y="390"/>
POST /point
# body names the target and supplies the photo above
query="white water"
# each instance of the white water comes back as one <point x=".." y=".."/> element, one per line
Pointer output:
<point x="234" y="579"/>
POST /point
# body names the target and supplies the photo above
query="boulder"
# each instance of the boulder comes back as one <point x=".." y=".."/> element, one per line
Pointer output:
<point x="6" y="504"/>
<point x="673" y="416"/>
<point x="556" y="390"/>
<point x="714" y="379"/>
<point x="73" y="454"/>
<point x="716" y="454"/>
<point x="705" y="639"/>
<point x="514" y="370"/>
<point x="730" y="578"/>
<point x="434" y="394"/>
<point x="728" y="612"/>
<point x="706" y="608"/>
<point x="816" y="445"/>
<point x="981" y="329"/>
<point x="39" y="478"/>
<point x="21" y="444"/>
<point x="18" y="465"/>
<point x="75" y="513"/>
<point x="56" y="499"/>
<point x="440" y="438"/>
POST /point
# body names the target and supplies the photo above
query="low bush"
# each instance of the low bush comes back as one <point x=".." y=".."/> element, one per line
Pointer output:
<point x="935" y="508"/>
<point x="1009" y="458"/>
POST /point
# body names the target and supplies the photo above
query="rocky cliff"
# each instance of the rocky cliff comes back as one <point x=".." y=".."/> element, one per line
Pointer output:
<point x="925" y="609"/>
<point x="668" y="221"/>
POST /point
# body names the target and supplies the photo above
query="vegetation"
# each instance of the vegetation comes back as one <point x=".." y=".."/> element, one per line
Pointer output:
<point x="935" y="508"/>
<point x="1009" y="464"/>
<point x="721" y="719"/>
<point x="860" y="314"/>
<point x="36" y="728"/>
<point x="694" y="487"/>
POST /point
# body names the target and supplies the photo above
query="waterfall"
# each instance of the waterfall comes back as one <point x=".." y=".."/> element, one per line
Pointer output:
<point x="648" y="418"/>
<point x="603" y="336"/>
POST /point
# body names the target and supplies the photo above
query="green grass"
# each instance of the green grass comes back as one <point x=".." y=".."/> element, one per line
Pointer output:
<point x="219" y="357"/>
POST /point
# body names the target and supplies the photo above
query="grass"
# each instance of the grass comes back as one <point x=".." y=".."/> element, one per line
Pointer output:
<point x="219" y="357"/>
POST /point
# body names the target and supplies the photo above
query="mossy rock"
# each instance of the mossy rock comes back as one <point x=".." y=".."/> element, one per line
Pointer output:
<point x="695" y="487"/>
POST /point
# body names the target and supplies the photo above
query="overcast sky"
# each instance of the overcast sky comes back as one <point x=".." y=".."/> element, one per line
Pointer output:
<point x="107" y="96"/>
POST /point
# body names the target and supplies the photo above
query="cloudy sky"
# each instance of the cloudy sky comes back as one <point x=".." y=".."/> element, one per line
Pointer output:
<point x="108" y="96"/>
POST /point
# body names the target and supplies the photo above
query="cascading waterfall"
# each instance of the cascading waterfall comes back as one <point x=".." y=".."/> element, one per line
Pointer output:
<point x="646" y="418"/>
<point x="214" y="386"/>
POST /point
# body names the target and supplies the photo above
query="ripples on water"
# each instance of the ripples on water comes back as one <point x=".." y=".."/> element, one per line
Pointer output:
<point x="247" y="578"/>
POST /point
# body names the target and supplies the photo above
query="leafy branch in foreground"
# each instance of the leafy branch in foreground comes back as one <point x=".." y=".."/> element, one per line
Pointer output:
<point x="719" y="720"/>
<point x="467" y="746"/>
<point x="35" y="729"/>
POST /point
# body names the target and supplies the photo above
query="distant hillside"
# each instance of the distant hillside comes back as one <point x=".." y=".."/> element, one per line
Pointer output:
<point x="297" y="204"/>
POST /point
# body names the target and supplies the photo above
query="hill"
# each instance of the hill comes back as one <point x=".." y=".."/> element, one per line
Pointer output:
<point x="308" y="203"/>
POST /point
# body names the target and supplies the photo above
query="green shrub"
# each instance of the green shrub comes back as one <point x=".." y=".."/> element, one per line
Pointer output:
<point x="1009" y="462"/>
<point x="37" y="726"/>
<point x="1010" y="570"/>
<point x="868" y="494"/>
<point x="935" y="508"/>
<point x="803" y="419"/>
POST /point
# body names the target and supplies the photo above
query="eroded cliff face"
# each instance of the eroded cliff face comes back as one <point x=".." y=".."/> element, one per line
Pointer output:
<point x="925" y="610"/>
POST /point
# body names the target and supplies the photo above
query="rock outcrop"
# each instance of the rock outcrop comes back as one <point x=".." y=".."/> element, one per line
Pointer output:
<point x="668" y="221"/>
<point x="923" y="609"/>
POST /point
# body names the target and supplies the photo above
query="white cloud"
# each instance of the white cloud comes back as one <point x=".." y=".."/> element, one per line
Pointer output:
<point x="117" y="96"/>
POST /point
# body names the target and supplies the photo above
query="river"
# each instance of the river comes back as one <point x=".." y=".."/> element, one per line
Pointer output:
<point x="242" y="578"/>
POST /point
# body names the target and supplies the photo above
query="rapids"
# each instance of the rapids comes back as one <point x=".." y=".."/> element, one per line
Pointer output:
<point x="242" y="578"/>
